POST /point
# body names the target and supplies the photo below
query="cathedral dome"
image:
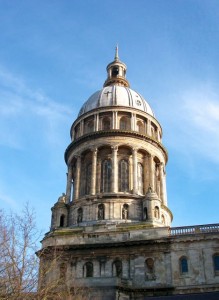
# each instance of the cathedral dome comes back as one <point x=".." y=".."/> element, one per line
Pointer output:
<point x="115" y="95"/>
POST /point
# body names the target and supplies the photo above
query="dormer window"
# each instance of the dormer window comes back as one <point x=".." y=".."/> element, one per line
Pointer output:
<point x="115" y="71"/>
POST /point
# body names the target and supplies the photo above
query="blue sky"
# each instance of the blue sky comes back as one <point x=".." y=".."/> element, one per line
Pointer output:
<point x="53" y="56"/>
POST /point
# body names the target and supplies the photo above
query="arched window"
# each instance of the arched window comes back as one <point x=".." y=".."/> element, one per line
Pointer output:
<point x="88" y="269"/>
<point x="88" y="178"/>
<point x="183" y="262"/>
<point x="117" y="268"/>
<point x="80" y="215"/>
<point x="77" y="131"/>
<point x="106" y="175"/>
<point x="124" y="123"/>
<point x="140" y="179"/>
<point x="140" y="127"/>
<point x="90" y="126"/>
<point x="163" y="219"/>
<point x="125" y="212"/>
<point x="62" y="221"/>
<point x="216" y="263"/>
<point x="106" y="123"/>
<point x="153" y="131"/>
<point x="101" y="212"/>
<point x="123" y="176"/>
<point x="156" y="212"/>
<point x="145" y="216"/>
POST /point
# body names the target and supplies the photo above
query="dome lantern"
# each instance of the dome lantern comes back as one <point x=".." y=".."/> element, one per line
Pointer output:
<point x="116" y="71"/>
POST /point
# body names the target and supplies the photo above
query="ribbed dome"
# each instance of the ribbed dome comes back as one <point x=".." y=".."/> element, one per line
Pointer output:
<point x="115" y="95"/>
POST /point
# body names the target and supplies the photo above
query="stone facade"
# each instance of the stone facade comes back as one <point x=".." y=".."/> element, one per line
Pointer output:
<point x="113" y="224"/>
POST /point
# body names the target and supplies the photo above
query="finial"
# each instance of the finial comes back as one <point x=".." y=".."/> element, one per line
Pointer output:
<point x="117" y="53"/>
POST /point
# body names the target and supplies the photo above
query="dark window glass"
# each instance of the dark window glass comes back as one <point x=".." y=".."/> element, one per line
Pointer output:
<point x="62" y="221"/>
<point x="106" y="176"/>
<point x="88" y="179"/>
<point x="216" y="262"/>
<point x="184" y="265"/>
<point x="123" y="176"/>
<point x="118" y="268"/>
<point x="88" y="269"/>
<point x="115" y="71"/>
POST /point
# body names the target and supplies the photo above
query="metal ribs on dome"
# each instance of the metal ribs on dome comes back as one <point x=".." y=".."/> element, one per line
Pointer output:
<point x="116" y="96"/>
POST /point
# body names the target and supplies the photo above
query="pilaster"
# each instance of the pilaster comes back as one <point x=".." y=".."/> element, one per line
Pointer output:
<point x="135" y="171"/>
<point x="114" y="169"/>
<point x="94" y="171"/>
<point x="69" y="184"/>
<point x="77" y="178"/>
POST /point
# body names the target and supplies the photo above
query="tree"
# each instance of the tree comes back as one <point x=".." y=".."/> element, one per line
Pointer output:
<point x="18" y="262"/>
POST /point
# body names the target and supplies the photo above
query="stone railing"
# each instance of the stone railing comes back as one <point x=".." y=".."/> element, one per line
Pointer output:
<point x="185" y="230"/>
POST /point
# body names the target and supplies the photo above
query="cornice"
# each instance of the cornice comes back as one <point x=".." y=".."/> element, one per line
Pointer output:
<point x="113" y="132"/>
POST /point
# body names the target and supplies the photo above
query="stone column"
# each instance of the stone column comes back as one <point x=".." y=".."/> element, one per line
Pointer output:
<point x="82" y="127"/>
<point x="69" y="184"/>
<point x="161" y="173"/>
<point x="133" y="122"/>
<point x="149" y="127"/>
<point x="73" y="134"/>
<point x="77" y="178"/>
<point x="114" y="169"/>
<point x="98" y="176"/>
<point x="146" y="175"/>
<point x="94" y="172"/>
<point x="151" y="171"/>
<point x="115" y="120"/>
<point x="164" y="187"/>
<point x="97" y="122"/>
<point x="135" y="171"/>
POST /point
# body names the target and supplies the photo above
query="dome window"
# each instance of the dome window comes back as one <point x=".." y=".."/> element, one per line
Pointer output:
<point x="106" y="123"/>
<point x="124" y="123"/>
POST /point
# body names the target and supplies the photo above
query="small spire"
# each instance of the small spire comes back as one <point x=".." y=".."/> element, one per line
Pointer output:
<point x="117" y="53"/>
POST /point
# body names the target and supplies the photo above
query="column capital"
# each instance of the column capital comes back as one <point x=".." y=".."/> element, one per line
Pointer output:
<point x="94" y="150"/>
<point x="134" y="150"/>
<point x="114" y="148"/>
<point x="149" y="155"/>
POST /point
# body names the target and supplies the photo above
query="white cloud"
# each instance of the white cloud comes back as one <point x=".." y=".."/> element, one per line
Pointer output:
<point x="194" y="122"/>
<point x="20" y="104"/>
